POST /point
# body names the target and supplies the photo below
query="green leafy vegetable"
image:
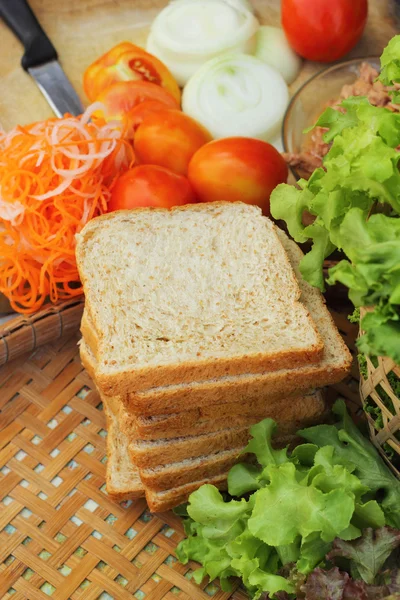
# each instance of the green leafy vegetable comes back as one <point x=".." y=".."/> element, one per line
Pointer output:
<point x="243" y="479"/>
<point x="390" y="63"/>
<point x="351" y="447"/>
<point x="311" y="510"/>
<point x="302" y="511"/>
<point x="260" y="444"/>
<point x="355" y="200"/>
<point x="368" y="554"/>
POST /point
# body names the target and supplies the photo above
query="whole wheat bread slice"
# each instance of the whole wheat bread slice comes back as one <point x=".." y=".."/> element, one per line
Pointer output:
<point x="287" y="410"/>
<point x="190" y="294"/>
<point x="175" y="474"/>
<point x="122" y="476"/>
<point x="167" y="499"/>
<point x="248" y="388"/>
<point x="163" y="452"/>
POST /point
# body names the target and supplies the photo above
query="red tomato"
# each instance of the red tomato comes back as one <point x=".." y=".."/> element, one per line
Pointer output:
<point x="121" y="97"/>
<point x="149" y="185"/>
<point x="127" y="62"/>
<point x="237" y="169"/>
<point x="169" y="139"/>
<point x="142" y="111"/>
<point x="323" y="30"/>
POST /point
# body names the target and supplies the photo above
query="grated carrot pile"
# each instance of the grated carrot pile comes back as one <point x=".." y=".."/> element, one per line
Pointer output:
<point x="55" y="176"/>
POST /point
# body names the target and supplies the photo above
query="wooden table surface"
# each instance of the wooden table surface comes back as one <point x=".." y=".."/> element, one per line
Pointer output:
<point x="81" y="30"/>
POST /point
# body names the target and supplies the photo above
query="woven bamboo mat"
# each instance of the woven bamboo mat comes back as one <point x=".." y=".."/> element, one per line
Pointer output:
<point x="60" y="535"/>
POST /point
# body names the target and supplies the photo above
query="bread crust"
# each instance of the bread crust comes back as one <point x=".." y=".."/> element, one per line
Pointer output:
<point x="203" y="467"/>
<point x="120" y="383"/>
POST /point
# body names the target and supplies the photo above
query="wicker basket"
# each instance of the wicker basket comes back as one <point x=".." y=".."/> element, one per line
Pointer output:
<point x="25" y="333"/>
<point x="378" y="378"/>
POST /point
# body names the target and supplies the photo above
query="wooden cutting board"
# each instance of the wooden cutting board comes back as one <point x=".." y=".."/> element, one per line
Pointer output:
<point x="81" y="30"/>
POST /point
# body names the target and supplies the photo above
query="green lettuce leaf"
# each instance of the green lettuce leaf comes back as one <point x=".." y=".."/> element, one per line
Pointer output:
<point x="380" y="338"/>
<point x="336" y="476"/>
<point x="310" y="509"/>
<point x="207" y="507"/>
<point x="243" y="479"/>
<point x="369" y="514"/>
<point x="261" y="580"/>
<point x="390" y="62"/>
<point x="312" y="552"/>
<point x="335" y="121"/>
<point x="289" y="203"/>
<point x="321" y="248"/>
<point x="304" y="454"/>
<point x="352" y="447"/>
<point x="261" y="444"/>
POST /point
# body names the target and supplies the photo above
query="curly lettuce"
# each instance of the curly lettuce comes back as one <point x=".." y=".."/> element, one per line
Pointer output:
<point x="390" y="65"/>
<point x="355" y="199"/>
<point x="299" y="508"/>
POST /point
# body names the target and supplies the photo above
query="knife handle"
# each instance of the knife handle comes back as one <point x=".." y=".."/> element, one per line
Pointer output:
<point x="19" y="17"/>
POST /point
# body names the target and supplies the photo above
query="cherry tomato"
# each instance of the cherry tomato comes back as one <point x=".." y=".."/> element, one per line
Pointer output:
<point x="237" y="169"/>
<point x="323" y="30"/>
<point x="127" y="62"/>
<point x="121" y="97"/>
<point x="150" y="185"/>
<point x="169" y="139"/>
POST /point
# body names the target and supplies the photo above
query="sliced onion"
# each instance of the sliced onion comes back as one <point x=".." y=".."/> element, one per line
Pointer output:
<point x="237" y="95"/>
<point x="274" y="49"/>
<point x="187" y="33"/>
<point x="12" y="212"/>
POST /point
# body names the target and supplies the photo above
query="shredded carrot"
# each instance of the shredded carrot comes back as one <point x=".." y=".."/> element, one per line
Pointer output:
<point x="55" y="176"/>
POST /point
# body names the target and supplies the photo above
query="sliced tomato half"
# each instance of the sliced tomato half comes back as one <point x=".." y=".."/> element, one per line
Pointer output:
<point x="127" y="62"/>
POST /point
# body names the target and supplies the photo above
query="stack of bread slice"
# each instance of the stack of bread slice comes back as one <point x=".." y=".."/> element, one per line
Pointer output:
<point x="197" y="324"/>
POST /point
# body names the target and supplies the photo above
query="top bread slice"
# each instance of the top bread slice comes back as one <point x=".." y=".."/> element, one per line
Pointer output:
<point x="190" y="294"/>
<point x="248" y="388"/>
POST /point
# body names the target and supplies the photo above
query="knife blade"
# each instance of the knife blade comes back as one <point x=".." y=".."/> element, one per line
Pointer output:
<point x="56" y="88"/>
<point x="40" y="59"/>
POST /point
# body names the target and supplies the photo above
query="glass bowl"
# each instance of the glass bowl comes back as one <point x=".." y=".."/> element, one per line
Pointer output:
<point x="313" y="97"/>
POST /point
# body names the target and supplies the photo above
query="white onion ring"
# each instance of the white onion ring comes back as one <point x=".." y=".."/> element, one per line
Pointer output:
<point x="237" y="95"/>
<point x="187" y="33"/>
